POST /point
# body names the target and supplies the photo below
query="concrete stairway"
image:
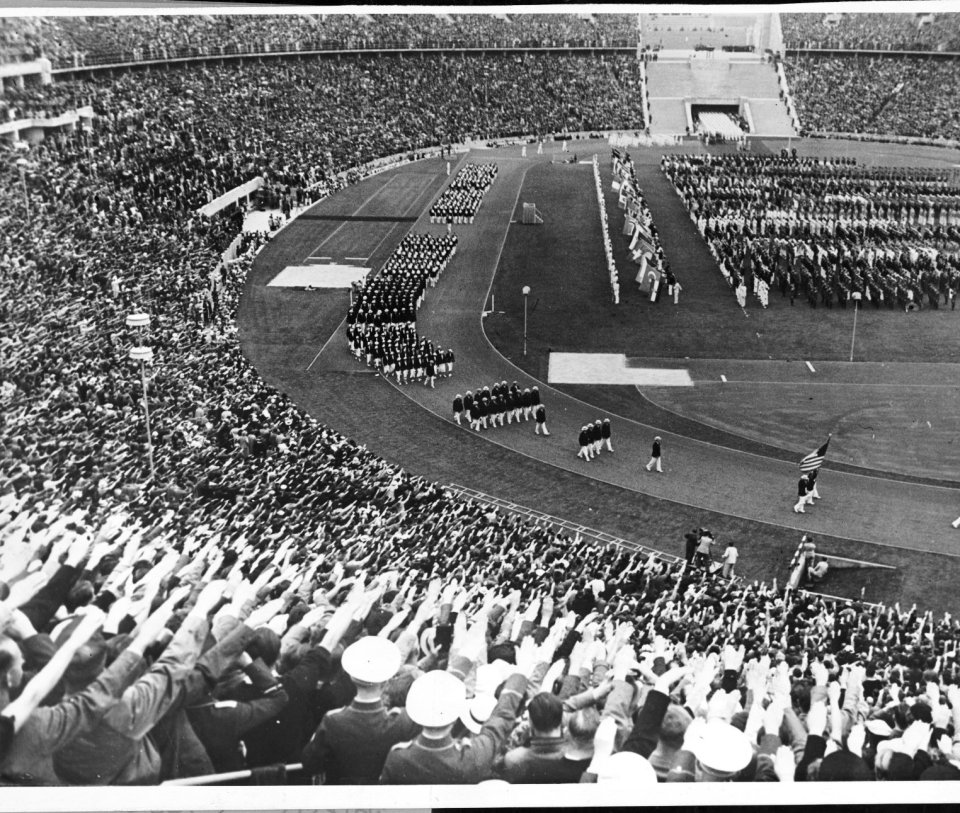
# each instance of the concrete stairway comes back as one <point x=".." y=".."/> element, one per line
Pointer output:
<point x="717" y="81"/>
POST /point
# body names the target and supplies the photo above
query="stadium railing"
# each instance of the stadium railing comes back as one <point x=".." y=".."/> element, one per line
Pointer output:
<point x="278" y="771"/>
<point x="111" y="61"/>
<point x="562" y="524"/>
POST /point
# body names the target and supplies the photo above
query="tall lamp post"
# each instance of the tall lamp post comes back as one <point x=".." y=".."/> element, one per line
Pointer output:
<point x="526" y="293"/>
<point x="144" y="355"/>
<point x="856" y="296"/>
<point x="22" y="165"/>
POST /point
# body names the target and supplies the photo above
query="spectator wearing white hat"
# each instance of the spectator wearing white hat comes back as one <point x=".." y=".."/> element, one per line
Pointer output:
<point x="712" y="751"/>
<point x="351" y="744"/>
<point x="435" y="701"/>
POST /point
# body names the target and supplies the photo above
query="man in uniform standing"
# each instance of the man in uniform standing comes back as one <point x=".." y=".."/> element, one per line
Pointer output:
<point x="351" y="744"/>
<point x="435" y="701"/>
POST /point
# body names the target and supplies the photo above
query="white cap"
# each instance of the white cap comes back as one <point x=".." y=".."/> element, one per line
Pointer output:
<point x="626" y="768"/>
<point x="436" y="699"/>
<point x="880" y="728"/>
<point x="477" y="711"/>
<point x="371" y="660"/>
<point x="723" y="748"/>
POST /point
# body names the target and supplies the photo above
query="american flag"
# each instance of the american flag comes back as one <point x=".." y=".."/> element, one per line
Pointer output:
<point x="814" y="460"/>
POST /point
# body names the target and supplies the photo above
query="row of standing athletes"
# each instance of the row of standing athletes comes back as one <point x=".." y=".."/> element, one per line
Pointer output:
<point x="500" y="405"/>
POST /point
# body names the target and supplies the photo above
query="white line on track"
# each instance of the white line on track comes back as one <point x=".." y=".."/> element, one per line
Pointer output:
<point x="723" y="378"/>
<point x="373" y="253"/>
<point x="811" y="367"/>
<point x="356" y="211"/>
<point x="336" y="330"/>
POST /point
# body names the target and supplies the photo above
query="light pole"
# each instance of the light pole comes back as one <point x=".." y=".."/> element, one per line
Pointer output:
<point x="22" y="165"/>
<point x="856" y="297"/>
<point x="526" y="293"/>
<point x="144" y="355"/>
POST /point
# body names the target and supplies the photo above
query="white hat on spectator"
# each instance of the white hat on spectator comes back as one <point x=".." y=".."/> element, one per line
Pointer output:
<point x="722" y="749"/>
<point x="626" y="768"/>
<point x="371" y="660"/>
<point x="436" y="699"/>
<point x="879" y="728"/>
<point x="477" y="711"/>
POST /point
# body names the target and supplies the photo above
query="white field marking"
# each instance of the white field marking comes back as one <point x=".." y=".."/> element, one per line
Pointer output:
<point x="413" y="204"/>
<point x="723" y="378"/>
<point x="356" y="211"/>
<point x="362" y="259"/>
<point x="329" y="338"/>
<point x="311" y="257"/>
<point x="318" y="276"/>
<point x="611" y="368"/>
<point x="811" y="367"/>
<point x="837" y="384"/>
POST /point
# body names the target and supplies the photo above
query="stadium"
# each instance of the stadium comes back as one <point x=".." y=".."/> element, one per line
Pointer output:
<point x="480" y="399"/>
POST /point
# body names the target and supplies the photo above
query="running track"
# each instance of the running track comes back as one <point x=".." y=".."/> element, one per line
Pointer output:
<point x="340" y="391"/>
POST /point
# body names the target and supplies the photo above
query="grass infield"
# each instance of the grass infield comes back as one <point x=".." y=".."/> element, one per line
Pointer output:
<point x="571" y="309"/>
<point x="881" y="423"/>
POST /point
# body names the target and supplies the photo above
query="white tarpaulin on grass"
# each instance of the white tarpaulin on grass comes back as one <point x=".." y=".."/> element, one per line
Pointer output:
<point x="319" y="276"/>
<point x="611" y="368"/>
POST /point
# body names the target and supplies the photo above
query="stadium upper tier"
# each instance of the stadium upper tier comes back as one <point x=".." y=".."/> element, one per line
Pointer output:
<point x="104" y="40"/>
<point x="88" y="41"/>
<point x="880" y="32"/>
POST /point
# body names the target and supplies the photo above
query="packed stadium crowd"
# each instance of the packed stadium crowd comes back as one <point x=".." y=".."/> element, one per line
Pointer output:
<point x="875" y="32"/>
<point x="377" y="621"/>
<point x="78" y="40"/>
<point x="903" y="96"/>
<point x="278" y="594"/>
<point x="825" y="230"/>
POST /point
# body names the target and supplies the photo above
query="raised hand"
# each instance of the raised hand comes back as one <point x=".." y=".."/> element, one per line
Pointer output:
<point x="784" y="764"/>
<point x="833" y="693"/>
<point x="527" y="657"/>
<point x="817" y="718"/>
<point x="664" y="683"/>
<point x="723" y="705"/>
<point x="474" y="646"/>
<point x="22" y="591"/>
<point x="856" y="739"/>
<point x="605" y="737"/>
<point x="773" y="717"/>
<point x="915" y="738"/>
<point x="262" y="615"/>
<point x="209" y="596"/>
<point x="819" y="672"/>
<point x="78" y="550"/>
<point x="150" y="630"/>
<point x="733" y="658"/>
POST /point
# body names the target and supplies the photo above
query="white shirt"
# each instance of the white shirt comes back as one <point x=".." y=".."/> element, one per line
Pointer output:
<point x="730" y="555"/>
